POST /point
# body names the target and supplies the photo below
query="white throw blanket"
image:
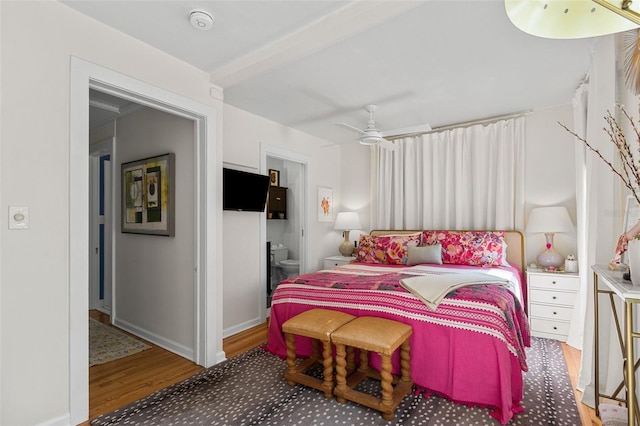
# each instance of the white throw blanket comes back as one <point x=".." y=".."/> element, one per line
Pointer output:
<point x="432" y="288"/>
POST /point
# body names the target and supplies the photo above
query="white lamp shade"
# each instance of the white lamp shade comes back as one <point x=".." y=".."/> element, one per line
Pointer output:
<point x="565" y="19"/>
<point x="549" y="219"/>
<point x="347" y="221"/>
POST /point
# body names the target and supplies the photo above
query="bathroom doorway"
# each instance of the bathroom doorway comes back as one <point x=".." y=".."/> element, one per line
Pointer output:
<point x="284" y="231"/>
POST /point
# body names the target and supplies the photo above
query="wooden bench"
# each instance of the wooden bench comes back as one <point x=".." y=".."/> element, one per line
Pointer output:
<point x="317" y="324"/>
<point x="382" y="336"/>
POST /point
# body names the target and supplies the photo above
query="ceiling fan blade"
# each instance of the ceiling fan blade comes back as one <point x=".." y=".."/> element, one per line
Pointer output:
<point x="386" y="144"/>
<point x="336" y="109"/>
<point x="350" y="127"/>
<point x="422" y="128"/>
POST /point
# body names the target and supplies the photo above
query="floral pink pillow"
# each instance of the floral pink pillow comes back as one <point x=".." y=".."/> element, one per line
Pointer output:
<point x="387" y="249"/>
<point x="366" y="250"/>
<point x="472" y="248"/>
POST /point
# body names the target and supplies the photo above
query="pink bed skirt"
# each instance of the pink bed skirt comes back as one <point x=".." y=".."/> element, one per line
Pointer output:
<point x="464" y="366"/>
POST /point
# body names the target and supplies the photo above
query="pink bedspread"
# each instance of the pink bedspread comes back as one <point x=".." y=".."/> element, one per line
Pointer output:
<point x="470" y="350"/>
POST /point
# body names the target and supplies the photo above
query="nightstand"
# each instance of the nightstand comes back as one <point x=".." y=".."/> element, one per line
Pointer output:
<point x="551" y="297"/>
<point x="331" y="261"/>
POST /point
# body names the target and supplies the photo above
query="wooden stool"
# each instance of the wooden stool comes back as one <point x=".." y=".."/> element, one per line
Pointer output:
<point x="384" y="337"/>
<point x="318" y="324"/>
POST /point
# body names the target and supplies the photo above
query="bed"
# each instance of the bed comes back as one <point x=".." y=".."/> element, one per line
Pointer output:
<point x="468" y="346"/>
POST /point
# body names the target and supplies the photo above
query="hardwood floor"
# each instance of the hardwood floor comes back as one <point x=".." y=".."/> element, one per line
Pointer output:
<point x="120" y="382"/>
<point x="572" y="357"/>
<point x="123" y="381"/>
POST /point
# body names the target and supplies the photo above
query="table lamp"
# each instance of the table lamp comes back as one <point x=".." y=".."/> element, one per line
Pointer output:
<point x="347" y="221"/>
<point x="549" y="220"/>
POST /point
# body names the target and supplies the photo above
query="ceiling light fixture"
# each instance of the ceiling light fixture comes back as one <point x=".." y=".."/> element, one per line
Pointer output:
<point x="201" y="20"/>
<point x="566" y="19"/>
<point x="626" y="9"/>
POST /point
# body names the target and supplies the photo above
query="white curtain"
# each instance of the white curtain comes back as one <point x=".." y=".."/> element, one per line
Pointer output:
<point x="599" y="229"/>
<point x="465" y="178"/>
<point x="580" y="110"/>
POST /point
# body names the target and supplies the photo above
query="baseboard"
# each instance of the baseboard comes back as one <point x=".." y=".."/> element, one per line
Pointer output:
<point x="105" y="311"/>
<point x="58" y="421"/>
<point x="241" y="327"/>
<point x="156" y="339"/>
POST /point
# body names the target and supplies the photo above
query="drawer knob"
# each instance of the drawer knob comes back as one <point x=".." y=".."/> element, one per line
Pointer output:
<point x="553" y="282"/>
<point x="555" y="328"/>
<point x="554" y="297"/>
<point x="555" y="313"/>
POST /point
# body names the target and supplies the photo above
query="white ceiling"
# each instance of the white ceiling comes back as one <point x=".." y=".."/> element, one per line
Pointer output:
<point x="309" y="64"/>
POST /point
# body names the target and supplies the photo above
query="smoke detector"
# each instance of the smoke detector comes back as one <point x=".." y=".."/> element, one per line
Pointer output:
<point x="201" y="20"/>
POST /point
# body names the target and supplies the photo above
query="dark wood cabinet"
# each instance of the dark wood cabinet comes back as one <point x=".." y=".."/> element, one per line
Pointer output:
<point x="277" y="208"/>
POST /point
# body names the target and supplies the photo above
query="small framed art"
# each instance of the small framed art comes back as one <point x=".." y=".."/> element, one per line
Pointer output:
<point x="325" y="204"/>
<point x="148" y="196"/>
<point x="631" y="213"/>
<point x="274" y="177"/>
<point x="631" y="217"/>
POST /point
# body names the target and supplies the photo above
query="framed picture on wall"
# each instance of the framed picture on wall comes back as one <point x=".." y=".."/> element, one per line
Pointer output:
<point x="274" y="177"/>
<point x="325" y="204"/>
<point x="631" y="213"/>
<point x="631" y="217"/>
<point x="148" y="196"/>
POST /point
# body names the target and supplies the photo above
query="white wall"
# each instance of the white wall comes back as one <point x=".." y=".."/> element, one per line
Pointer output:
<point x="34" y="172"/>
<point x="154" y="279"/>
<point x="550" y="175"/>
<point x="355" y="192"/>
<point x="243" y="134"/>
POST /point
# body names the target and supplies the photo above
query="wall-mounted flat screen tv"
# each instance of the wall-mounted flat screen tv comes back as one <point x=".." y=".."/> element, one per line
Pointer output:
<point x="244" y="191"/>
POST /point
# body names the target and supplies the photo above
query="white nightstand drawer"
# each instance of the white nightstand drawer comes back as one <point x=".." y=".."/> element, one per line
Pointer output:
<point x="550" y="312"/>
<point x="554" y="282"/>
<point x="332" y="261"/>
<point x="549" y="326"/>
<point x="551" y="297"/>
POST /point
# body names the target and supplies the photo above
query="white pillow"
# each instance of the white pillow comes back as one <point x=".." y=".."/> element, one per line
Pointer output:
<point x="424" y="254"/>
<point x="505" y="262"/>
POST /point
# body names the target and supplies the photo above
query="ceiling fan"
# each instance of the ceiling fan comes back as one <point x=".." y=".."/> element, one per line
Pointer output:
<point x="372" y="136"/>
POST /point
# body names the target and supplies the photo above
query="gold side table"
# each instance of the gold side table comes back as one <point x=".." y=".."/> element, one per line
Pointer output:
<point x="611" y="283"/>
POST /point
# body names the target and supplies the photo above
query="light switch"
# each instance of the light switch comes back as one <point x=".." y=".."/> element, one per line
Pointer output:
<point x="18" y="217"/>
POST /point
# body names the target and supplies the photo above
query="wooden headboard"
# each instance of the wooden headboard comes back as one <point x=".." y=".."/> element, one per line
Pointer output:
<point x="514" y="240"/>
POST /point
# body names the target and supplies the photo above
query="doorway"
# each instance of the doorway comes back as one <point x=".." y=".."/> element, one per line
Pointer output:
<point x="295" y="170"/>
<point x="208" y="325"/>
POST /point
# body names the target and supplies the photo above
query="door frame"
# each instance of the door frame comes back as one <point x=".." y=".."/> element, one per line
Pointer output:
<point x="96" y="151"/>
<point x="85" y="75"/>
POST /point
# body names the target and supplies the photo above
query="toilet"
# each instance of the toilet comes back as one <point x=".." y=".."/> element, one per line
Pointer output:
<point x="290" y="267"/>
<point x="283" y="267"/>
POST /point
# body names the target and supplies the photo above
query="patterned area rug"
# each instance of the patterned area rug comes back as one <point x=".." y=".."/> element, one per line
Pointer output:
<point x="249" y="390"/>
<point x="107" y="343"/>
